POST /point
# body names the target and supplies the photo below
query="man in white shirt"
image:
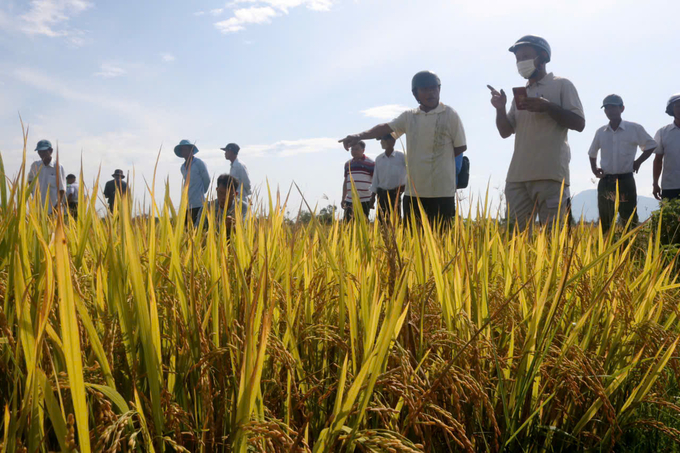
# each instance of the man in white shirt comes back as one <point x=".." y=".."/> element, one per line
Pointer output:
<point x="668" y="154"/>
<point x="540" y="119"/>
<point x="389" y="178"/>
<point x="72" y="195"/>
<point x="619" y="141"/>
<point x="434" y="137"/>
<point x="51" y="182"/>
<point x="238" y="171"/>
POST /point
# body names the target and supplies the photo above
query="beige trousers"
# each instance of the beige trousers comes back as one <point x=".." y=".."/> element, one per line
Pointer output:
<point x="544" y="198"/>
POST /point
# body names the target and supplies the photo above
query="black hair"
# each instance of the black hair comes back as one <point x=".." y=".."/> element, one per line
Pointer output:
<point x="362" y="144"/>
<point x="387" y="137"/>
<point x="71" y="176"/>
<point x="228" y="182"/>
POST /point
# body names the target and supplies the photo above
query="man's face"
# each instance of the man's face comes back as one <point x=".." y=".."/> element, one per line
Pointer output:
<point x="70" y="180"/>
<point x="613" y="112"/>
<point x="229" y="155"/>
<point x="357" y="151"/>
<point x="186" y="151"/>
<point x="387" y="143"/>
<point x="45" y="155"/>
<point x="428" y="96"/>
<point x="676" y="110"/>
<point x="221" y="195"/>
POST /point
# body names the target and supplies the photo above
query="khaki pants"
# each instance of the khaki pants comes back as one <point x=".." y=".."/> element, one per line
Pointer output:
<point x="527" y="199"/>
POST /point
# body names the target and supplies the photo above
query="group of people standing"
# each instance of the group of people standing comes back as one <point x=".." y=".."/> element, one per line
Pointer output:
<point x="433" y="168"/>
<point x="53" y="188"/>
<point x="537" y="184"/>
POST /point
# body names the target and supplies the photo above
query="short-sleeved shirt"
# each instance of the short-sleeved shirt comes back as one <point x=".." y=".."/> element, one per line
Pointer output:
<point x="199" y="182"/>
<point x="619" y="146"/>
<point x="541" y="146"/>
<point x="668" y="145"/>
<point x="47" y="179"/>
<point x="361" y="172"/>
<point x="240" y="172"/>
<point x="72" y="192"/>
<point x="390" y="171"/>
<point x="430" y="158"/>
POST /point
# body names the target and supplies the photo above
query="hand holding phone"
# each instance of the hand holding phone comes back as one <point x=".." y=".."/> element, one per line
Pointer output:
<point x="520" y="94"/>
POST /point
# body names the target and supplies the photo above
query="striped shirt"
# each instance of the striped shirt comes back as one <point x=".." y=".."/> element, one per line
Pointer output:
<point x="361" y="172"/>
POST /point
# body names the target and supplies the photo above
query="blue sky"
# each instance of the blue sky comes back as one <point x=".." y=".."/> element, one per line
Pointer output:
<point x="114" y="82"/>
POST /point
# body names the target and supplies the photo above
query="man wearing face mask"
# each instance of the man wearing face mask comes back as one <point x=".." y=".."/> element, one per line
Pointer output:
<point x="540" y="121"/>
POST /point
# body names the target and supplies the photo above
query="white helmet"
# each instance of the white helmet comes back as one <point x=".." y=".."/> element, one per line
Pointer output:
<point x="669" y="106"/>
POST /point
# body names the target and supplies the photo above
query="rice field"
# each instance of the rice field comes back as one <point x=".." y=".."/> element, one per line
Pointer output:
<point x="136" y="334"/>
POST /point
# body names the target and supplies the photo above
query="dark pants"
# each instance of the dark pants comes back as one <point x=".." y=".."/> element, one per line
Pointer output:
<point x="73" y="209"/>
<point x="438" y="210"/>
<point x="192" y="215"/>
<point x="606" y="199"/>
<point x="671" y="194"/>
<point x="349" y="210"/>
<point x="388" y="200"/>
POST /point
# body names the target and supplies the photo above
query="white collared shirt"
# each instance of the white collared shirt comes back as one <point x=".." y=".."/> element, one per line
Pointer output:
<point x="620" y="146"/>
<point x="240" y="172"/>
<point x="47" y="180"/>
<point x="668" y="145"/>
<point x="541" y="146"/>
<point x="430" y="141"/>
<point x="389" y="172"/>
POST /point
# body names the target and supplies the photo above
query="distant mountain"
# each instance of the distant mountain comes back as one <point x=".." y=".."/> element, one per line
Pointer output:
<point x="585" y="203"/>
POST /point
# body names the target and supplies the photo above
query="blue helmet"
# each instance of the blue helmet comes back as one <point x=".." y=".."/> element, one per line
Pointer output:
<point x="535" y="41"/>
<point x="424" y="79"/>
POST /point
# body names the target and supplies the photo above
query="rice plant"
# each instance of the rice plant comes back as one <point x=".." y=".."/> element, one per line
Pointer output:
<point x="139" y="334"/>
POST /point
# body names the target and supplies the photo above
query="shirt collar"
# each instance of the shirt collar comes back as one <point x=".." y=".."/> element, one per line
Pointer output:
<point x="51" y="164"/>
<point x="440" y="108"/>
<point x="549" y="77"/>
<point x="622" y="126"/>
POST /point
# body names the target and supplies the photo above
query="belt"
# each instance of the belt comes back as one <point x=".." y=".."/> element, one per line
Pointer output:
<point x="619" y="176"/>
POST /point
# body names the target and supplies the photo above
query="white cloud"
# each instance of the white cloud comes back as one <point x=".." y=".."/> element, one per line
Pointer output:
<point x="51" y="17"/>
<point x="216" y="11"/>
<point x="286" y="148"/>
<point x="285" y="5"/>
<point x="263" y="12"/>
<point x="199" y="13"/>
<point x="150" y="119"/>
<point x="385" y="112"/>
<point x="109" y="71"/>
<point x="246" y="16"/>
<point x="168" y="57"/>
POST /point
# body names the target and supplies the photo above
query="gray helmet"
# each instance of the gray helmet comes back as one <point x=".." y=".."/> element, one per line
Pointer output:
<point x="531" y="40"/>
<point x="669" y="105"/>
<point x="424" y="79"/>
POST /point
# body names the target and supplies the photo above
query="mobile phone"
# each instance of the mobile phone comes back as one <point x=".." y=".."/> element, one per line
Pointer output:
<point x="520" y="94"/>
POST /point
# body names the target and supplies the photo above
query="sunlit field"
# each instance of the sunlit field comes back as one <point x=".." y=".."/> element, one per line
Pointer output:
<point x="137" y="334"/>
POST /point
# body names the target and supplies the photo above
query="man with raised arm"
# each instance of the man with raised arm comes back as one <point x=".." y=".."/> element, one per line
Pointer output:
<point x="434" y="137"/>
<point x="540" y="116"/>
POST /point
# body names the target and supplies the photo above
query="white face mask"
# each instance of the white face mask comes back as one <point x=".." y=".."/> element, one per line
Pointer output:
<point x="526" y="68"/>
